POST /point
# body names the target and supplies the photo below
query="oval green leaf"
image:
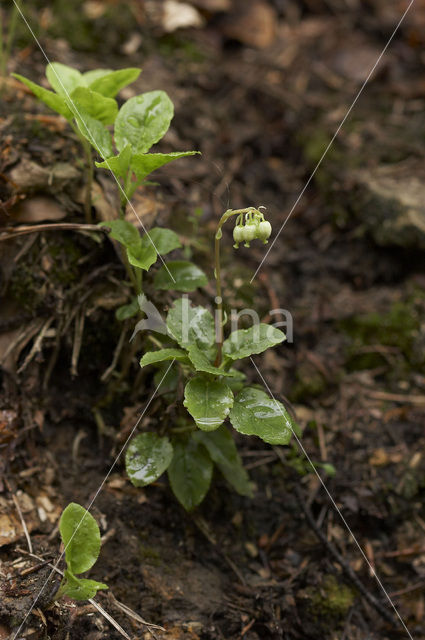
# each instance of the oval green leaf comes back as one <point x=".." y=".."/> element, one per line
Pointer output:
<point x="118" y="164"/>
<point x="80" y="536"/>
<point x="95" y="132"/>
<point x="201" y="362"/>
<point x="147" y="457"/>
<point x="52" y="100"/>
<point x="127" y="311"/>
<point x="97" y="106"/>
<point x="190" y="473"/>
<point x="81" y="588"/>
<point x="224" y="454"/>
<point x="256" y="339"/>
<point x="122" y="231"/>
<point x="180" y="275"/>
<point x="208" y="401"/>
<point x="164" y="240"/>
<point x="63" y="79"/>
<point x="143" y="120"/>
<point x="190" y="325"/>
<point x="255" y="413"/>
<point x="142" y="256"/>
<point x="109" y="83"/>
<point x="151" y="357"/>
<point x="145" y="163"/>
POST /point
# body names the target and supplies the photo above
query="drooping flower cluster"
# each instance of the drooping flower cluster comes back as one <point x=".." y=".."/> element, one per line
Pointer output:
<point x="253" y="227"/>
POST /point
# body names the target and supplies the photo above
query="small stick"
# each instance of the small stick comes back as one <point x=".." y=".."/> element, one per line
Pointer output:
<point x="26" y="572"/>
<point x="12" y="232"/>
<point x="21" y="517"/>
<point x="134" y="615"/>
<point x="345" y="566"/>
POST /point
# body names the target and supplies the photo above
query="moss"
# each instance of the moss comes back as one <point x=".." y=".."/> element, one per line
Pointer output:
<point x="149" y="554"/>
<point x="399" y="327"/>
<point x="186" y="49"/>
<point x="329" y="603"/>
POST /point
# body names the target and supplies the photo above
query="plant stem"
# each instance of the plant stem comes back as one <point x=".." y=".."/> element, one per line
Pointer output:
<point x="89" y="171"/>
<point x="89" y="181"/>
<point x="217" y="273"/>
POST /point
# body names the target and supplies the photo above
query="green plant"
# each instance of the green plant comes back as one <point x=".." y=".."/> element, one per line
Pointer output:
<point x="81" y="539"/>
<point x="87" y="101"/>
<point x="214" y="392"/>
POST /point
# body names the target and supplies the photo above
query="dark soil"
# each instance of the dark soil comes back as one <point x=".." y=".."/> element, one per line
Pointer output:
<point x="354" y="373"/>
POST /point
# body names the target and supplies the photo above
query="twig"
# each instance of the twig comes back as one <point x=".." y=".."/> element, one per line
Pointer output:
<point x="37" y="567"/>
<point x="12" y="232"/>
<point x="117" y="351"/>
<point x="395" y="397"/>
<point x="412" y="587"/>
<point x="78" y="340"/>
<point x="134" y="615"/>
<point x="36" y="347"/>
<point x="20" y="514"/>
<point x="344" y="565"/>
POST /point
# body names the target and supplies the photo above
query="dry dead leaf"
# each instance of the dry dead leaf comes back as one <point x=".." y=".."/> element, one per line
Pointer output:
<point x="180" y="15"/>
<point x="37" y="209"/>
<point x="252" y="23"/>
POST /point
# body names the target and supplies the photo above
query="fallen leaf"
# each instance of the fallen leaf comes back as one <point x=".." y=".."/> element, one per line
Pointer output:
<point x="253" y="24"/>
<point x="180" y="15"/>
<point x="37" y="209"/>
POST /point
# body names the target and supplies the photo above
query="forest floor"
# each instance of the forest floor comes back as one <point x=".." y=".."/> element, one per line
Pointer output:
<point x="261" y="99"/>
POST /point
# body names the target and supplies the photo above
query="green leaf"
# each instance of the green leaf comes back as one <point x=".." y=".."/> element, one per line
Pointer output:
<point x="97" y="106"/>
<point x="208" y="401"/>
<point x="145" y="163"/>
<point x="224" y="454"/>
<point x="180" y="275"/>
<point x="163" y="354"/>
<point x="201" y="362"/>
<point x="95" y="132"/>
<point x="81" y="538"/>
<point x="256" y="339"/>
<point x="90" y="76"/>
<point x="63" y="79"/>
<point x="111" y="82"/>
<point x="190" y="473"/>
<point x="255" y="413"/>
<point x="80" y="588"/>
<point x="238" y="382"/>
<point x="123" y="231"/>
<point x="190" y="325"/>
<point x="118" y="164"/>
<point x="142" y="257"/>
<point x="147" y="457"/>
<point x="127" y="311"/>
<point x="167" y="378"/>
<point x="52" y="100"/>
<point x="164" y="240"/>
<point x="143" y="120"/>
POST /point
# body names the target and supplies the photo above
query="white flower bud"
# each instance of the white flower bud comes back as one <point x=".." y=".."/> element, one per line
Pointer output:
<point x="264" y="230"/>
<point x="238" y="235"/>
<point x="249" y="232"/>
